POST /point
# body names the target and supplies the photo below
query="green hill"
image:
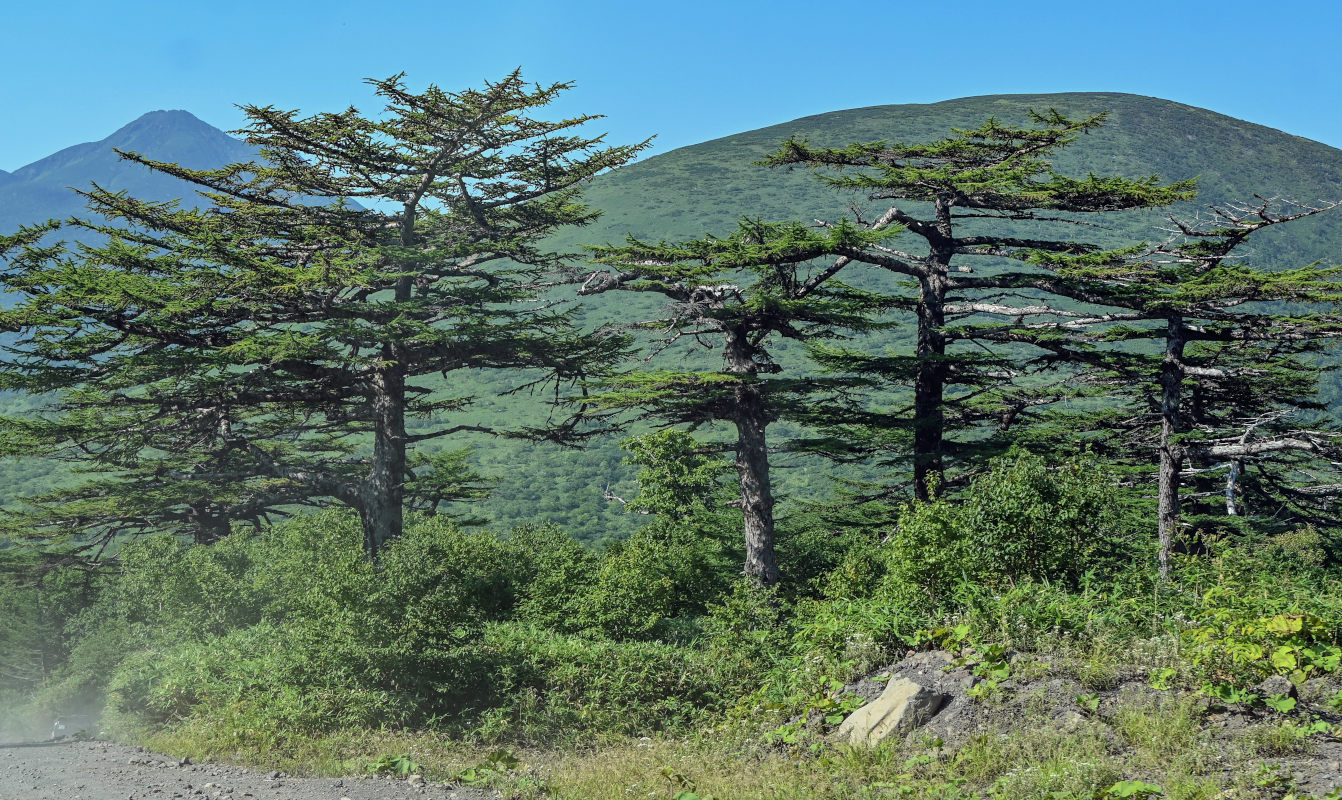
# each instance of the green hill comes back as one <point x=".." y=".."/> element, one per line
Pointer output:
<point x="706" y="187"/>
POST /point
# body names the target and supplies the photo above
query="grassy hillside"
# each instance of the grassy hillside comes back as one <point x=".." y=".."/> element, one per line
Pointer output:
<point x="706" y="187"/>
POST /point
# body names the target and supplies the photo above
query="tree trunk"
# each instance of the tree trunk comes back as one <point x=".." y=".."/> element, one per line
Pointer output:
<point x="208" y="526"/>
<point x="929" y="385"/>
<point x="383" y="496"/>
<point x="1171" y="454"/>
<point x="757" y="501"/>
<point x="752" y="460"/>
<point x="1232" y="480"/>
<point x="381" y="508"/>
<point x="1171" y="460"/>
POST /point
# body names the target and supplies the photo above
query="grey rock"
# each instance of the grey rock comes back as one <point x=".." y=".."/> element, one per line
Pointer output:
<point x="1276" y="685"/>
<point x="902" y="707"/>
<point x="1317" y="690"/>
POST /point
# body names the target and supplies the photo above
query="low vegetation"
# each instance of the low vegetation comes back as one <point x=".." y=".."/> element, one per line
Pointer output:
<point x="498" y="660"/>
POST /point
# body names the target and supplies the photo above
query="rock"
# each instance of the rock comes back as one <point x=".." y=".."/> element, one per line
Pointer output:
<point x="902" y="707"/>
<point x="415" y="780"/>
<point x="1276" y="685"/>
<point x="1317" y="690"/>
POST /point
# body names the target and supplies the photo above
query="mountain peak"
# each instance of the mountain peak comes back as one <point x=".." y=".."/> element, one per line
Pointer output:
<point x="42" y="189"/>
<point x="171" y="119"/>
<point x="174" y="130"/>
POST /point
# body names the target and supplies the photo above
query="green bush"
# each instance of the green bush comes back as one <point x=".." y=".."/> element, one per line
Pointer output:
<point x="655" y="583"/>
<point x="559" y="573"/>
<point x="443" y="632"/>
<point x="545" y="685"/>
<point x="1022" y="519"/>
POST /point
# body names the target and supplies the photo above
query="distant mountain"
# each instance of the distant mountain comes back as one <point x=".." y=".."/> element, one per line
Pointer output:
<point x="43" y="189"/>
<point x="707" y="187"/>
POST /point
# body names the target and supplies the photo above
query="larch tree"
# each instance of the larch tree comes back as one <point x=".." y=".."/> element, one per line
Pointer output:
<point x="736" y="297"/>
<point x="268" y="349"/>
<point x="1210" y="365"/>
<point x="984" y="201"/>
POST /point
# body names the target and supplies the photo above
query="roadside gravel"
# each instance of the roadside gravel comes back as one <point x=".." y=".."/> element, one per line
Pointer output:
<point x="95" y="770"/>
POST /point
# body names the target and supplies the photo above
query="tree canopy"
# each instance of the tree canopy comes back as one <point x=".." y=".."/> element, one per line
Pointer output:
<point x="221" y="363"/>
<point x="984" y="199"/>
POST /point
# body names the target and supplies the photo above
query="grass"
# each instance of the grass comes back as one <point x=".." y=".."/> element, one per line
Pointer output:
<point x="1159" y="738"/>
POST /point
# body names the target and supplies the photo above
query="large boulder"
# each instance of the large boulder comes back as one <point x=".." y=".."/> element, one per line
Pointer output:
<point x="902" y="707"/>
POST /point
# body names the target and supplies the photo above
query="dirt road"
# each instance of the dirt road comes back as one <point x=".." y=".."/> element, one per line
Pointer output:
<point x="91" y="770"/>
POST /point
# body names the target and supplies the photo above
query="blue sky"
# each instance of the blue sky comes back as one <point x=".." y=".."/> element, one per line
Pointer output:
<point x="687" y="71"/>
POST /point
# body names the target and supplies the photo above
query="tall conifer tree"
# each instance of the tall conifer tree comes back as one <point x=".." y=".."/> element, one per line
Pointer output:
<point x="982" y="199"/>
<point x="1209" y="364"/>
<point x="270" y="348"/>
<point x="736" y="297"/>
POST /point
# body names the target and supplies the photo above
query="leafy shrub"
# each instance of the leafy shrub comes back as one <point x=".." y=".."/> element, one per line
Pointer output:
<point x="544" y="685"/>
<point x="748" y="627"/>
<point x="440" y="632"/>
<point x="1022" y="519"/>
<point x="1250" y="622"/>
<point x="559" y="573"/>
<point x="676" y="478"/>
<point x="437" y="577"/>
<point x="664" y="575"/>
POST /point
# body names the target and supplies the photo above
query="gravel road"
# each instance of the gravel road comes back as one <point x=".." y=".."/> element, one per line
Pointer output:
<point x="93" y="770"/>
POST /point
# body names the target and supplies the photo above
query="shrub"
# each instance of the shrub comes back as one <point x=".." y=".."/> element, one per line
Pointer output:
<point x="545" y="685"/>
<point x="559" y="573"/>
<point x="1022" y="519"/>
<point x="654" y="583"/>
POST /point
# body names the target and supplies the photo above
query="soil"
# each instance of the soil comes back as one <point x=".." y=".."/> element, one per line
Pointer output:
<point x="96" y="770"/>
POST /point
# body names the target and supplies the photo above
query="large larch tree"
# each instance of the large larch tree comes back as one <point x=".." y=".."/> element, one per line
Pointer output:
<point x="976" y="203"/>
<point x="736" y="297"/>
<point x="1208" y="364"/>
<point x="269" y="347"/>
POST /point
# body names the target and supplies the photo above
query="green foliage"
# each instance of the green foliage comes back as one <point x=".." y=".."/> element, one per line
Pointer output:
<point x="1021" y="519"/>
<point x="223" y="364"/>
<point x="746" y="630"/>
<point x="559" y="572"/>
<point x="442" y="631"/>
<point x="497" y="764"/>
<point x="666" y="572"/>
<point x="1139" y="790"/>
<point x="399" y="764"/>
<point x="676" y="477"/>
<point x="1246" y="630"/>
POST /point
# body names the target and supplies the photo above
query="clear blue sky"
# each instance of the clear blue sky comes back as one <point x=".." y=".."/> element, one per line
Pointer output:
<point x="685" y="70"/>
